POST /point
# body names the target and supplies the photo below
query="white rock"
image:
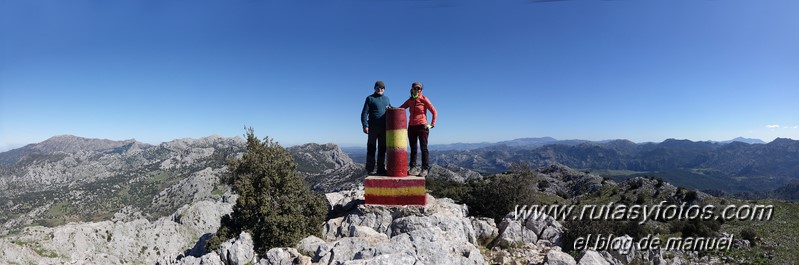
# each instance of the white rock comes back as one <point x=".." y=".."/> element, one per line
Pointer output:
<point x="284" y="256"/>
<point x="238" y="251"/>
<point x="555" y="257"/>
<point x="593" y="258"/>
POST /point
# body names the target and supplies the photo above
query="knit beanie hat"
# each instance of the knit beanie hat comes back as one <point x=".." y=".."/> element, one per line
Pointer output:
<point x="379" y="84"/>
<point x="417" y="84"/>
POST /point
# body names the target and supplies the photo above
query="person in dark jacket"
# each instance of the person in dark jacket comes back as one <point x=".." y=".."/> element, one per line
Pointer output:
<point x="418" y="128"/>
<point x="373" y="119"/>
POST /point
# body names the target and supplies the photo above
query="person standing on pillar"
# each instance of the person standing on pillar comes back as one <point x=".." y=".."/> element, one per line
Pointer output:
<point x="373" y="119"/>
<point x="418" y="128"/>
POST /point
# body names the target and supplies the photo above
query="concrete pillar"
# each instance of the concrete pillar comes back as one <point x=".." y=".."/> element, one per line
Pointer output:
<point x="397" y="188"/>
<point x="396" y="142"/>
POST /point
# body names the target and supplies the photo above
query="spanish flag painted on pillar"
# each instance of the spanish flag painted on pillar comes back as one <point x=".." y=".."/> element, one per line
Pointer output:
<point x="397" y="188"/>
<point x="409" y="190"/>
<point x="396" y="142"/>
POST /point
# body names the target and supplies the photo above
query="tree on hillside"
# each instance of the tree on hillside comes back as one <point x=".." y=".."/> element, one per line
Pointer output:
<point x="497" y="196"/>
<point x="275" y="205"/>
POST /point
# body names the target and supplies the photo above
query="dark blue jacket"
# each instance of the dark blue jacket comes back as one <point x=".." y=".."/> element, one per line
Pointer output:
<point x="374" y="111"/>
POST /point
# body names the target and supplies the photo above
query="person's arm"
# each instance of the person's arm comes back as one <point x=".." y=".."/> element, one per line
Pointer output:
<point x="432" y="110"/>
<point x="406" y="104"/>
<point x="365" y="116"/>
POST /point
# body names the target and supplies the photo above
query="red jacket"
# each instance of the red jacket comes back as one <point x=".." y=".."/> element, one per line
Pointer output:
<point x="419" y="107"/>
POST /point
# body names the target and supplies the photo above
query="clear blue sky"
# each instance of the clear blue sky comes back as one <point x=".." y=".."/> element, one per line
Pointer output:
<point x="298" y="71"/>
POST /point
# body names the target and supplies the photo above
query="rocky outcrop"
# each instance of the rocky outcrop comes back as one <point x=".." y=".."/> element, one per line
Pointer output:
<point x="68" y="178"/>
<point x="536" y="229"/>
<point x="560" y="179"/>
<point x="237" y="251"/>
<point x="326" y="168"/>
<point x="439" y="233"/>
<point x="591" y="257"/>
<point x="559" y="258"/>
<point x="118" y="242"/>
<point x="452" y="173"/>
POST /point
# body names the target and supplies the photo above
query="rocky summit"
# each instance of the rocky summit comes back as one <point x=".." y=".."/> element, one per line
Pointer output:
<point x="72" y="200"/>
<point x="438" y="233"/>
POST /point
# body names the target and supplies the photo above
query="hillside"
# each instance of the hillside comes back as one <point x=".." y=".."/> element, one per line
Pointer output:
<point x="69" y="178"/>
<point x="702" y="165"/>
<point x="100" y="201"/>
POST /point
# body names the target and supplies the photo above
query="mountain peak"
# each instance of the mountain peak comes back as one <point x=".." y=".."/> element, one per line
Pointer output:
<point x="529" y="141"/>
<point x="744" y="140"/>
<point x="72" y="144"/>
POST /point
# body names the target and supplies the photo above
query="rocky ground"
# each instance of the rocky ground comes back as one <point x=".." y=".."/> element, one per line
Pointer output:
<point x="107" y="202"/>
<point x="439" y="233"/>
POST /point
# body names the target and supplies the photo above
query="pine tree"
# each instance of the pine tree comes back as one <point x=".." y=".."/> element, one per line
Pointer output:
<point x="275" y="205"/>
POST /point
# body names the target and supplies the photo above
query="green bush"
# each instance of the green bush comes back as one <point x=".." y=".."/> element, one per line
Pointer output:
<point x="275" y="205"/>
<point x="498" y="195"/>
<point x="696" y="227"/>
<point x="749" y="234"/>
<point x="449" y="189"/>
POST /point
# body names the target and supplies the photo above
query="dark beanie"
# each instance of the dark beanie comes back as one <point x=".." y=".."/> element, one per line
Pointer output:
<point x="417" y="84"/>
<point x="379" y="84"/>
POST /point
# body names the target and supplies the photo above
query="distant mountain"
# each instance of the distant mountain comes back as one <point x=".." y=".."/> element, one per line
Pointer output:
<point x="459" y="146"/>
<point x="69" y="178"/>
<point x="520" y="142"/>
<point x="789" y="192"/>
<point x="730" y="167"/>
<point x="109" y="202"/>
<point x="744" y="140"/>
<point x="64" y="144"/>
<point x="326" y="167"/>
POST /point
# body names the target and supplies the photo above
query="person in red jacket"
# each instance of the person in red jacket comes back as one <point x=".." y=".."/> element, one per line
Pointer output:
<point x="418" y="129"/>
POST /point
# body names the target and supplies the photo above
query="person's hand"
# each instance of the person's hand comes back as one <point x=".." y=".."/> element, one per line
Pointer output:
<point x="366" y="130"/>
<point x="428" y="126"/>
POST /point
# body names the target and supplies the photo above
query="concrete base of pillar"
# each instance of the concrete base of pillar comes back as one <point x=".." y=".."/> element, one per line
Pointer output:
<point x="381" y="190"/>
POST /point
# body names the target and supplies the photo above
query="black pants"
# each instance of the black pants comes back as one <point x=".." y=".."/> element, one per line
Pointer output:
<point x="420" y="133"/>
<point x="377" y="136"/>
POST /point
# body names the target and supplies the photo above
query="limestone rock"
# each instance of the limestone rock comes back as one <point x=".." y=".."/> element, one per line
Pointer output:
<point x="343" y="201"/>
<point x="593" y="258"/>
<point x="313" y="246"/>
<point x="238" y="251"/>
<point x="365" y="231"/>
<point x="485" y="228"/>
<point x="387" y="259"/>
<point x="439" y="233"/>
<point x="284" y="256"/>
<point x="555" y="257"/>
<point x="534" y="229"/>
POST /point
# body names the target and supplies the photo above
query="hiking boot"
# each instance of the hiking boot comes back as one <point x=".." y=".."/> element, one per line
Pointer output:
<point x="370" y="172"/>
<point x="423" y="173"/>
<point x="381" y="172"/>
<point x="414" y="171"/>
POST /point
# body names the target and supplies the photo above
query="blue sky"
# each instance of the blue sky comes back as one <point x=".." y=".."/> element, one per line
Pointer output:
<point x="298" y="71"/>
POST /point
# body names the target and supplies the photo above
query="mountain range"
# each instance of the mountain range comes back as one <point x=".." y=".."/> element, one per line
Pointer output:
<point x="48" y="182"/>
<point x="69" y="178"/>
<point x="101" y="201"/>
<point x="733" y="167"/>
<point x="743" y="166"/>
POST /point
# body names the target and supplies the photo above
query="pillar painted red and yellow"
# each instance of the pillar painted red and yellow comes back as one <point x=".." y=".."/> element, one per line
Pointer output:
<point x="397" y="188"/>
<point x="408" y="190"/>
<point x="396" y="142"/>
